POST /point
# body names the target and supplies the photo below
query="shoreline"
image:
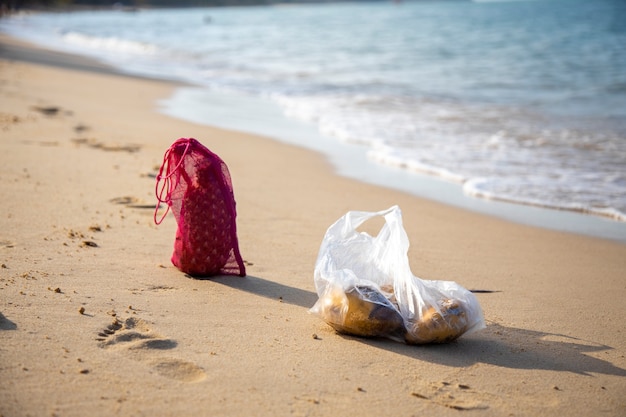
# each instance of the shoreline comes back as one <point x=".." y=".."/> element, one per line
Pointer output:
<point x="95" y="319"/>
<point x="351" y="161"/>
<point x="348" y="160"/>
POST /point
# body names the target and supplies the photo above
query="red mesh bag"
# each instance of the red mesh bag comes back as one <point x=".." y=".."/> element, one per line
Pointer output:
<point x="195" y="184"/>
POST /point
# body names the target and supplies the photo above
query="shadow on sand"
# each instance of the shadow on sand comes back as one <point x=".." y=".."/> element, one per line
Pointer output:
<point x="268" y="289"/>
<point x="514" y="348"/>
<point x="498" y="345"/>
<point x="6" y="324"/>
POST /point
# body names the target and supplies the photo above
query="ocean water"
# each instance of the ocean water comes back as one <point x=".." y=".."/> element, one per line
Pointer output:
<point x="516" y="101"/>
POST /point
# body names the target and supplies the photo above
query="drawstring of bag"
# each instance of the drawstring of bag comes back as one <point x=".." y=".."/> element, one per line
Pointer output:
<point x="166" y="182"/>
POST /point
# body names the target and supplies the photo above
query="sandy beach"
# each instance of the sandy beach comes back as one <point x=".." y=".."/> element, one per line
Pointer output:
<point x="95" y="320"/>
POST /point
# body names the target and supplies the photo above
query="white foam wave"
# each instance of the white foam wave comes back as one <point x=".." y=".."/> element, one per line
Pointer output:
<point x="387" y="156"/>
<point x="483" y="188"/>
<point x="109" y="44"/>
<point x="459" y="144"/>
<point x="334" y="116"/>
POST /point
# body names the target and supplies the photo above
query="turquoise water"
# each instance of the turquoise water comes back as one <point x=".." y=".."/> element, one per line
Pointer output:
<point x="520" y="101"/>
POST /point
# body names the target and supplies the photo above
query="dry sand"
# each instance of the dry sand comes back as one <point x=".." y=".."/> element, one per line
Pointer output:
<point x="96" y="321"/>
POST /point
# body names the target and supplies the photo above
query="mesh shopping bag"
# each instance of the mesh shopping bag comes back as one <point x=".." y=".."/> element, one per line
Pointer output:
<point x="196" y="185"/>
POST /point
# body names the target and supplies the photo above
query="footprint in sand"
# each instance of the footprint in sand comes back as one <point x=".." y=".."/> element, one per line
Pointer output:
<point x="131" y="202"/>
<point x="135" y="339"/>
<point x="8" y="120"/>
<point x="455" y="396"/>
<point x="47" y="110"/>
<point x="96" y="144"/>
<point x="6" y="244"/>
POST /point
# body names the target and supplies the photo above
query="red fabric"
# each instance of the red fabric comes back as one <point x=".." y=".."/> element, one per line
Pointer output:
<point x="198" y="189"/>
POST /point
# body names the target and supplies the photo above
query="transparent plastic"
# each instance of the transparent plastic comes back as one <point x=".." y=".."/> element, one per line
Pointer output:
<point x="366" y="287"/>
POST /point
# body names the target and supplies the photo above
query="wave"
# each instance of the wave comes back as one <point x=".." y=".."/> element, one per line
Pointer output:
<point x="461" y="126"/>
<point x="479" y="188"/>
<point x="385" y="155"/>
<point x="109" y="44"/>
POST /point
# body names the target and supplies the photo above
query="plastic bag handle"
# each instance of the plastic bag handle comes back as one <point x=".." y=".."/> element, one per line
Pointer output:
<point x="353" y="219"/>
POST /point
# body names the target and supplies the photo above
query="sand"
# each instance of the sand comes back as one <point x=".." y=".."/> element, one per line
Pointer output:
<point x="96" y="321"/>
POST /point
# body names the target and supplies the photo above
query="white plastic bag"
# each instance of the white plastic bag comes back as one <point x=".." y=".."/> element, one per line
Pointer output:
<point x="366" y="287"/>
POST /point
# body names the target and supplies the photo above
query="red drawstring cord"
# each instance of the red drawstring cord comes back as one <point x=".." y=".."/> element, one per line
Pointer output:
<point x="167" y="185"/>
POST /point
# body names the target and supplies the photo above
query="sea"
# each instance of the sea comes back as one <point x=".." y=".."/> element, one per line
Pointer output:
<point x="513" y="108"/>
